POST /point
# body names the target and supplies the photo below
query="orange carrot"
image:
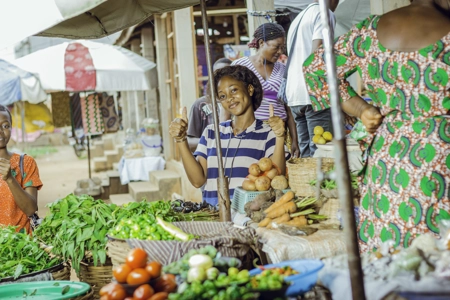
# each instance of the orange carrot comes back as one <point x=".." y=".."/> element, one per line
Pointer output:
<point x="289" y="207"/>
<point x="264" y="222"/>
<point x="283" y="200"/>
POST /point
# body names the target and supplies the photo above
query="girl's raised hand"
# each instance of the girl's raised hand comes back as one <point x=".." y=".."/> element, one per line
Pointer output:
<point x="276" y="123"/>
<point x="178" y="127"/>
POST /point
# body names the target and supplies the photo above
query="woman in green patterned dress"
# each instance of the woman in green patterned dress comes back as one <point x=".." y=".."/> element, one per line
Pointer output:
<point x="403" y="58"/>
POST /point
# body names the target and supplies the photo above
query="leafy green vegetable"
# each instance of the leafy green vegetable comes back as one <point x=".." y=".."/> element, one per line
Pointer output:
<point x="77" y="225"/>
<point x="21" y="254"/>
<point x="65" y="289"/>
<point x="329" y="184"/>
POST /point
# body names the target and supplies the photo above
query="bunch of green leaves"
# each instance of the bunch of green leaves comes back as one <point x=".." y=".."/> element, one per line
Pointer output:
<point x="20" y="254"/>
<point x="329" y="184"/>
<point x="77" y="226"/>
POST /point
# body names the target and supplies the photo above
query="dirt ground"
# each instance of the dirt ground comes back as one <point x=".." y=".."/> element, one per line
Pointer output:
<point x="59" y="173"/>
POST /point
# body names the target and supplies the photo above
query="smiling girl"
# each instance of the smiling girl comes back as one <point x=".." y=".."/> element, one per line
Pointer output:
<point x="18" y="192"/>
<point x="244" y="140"/>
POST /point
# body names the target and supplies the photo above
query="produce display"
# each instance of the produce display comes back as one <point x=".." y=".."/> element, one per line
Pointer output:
<point x="264" y="175"/>
<point x="21" y="254"/>
<point x="286" y="210"/>
<point x="77" y="226"/>
<point x="321" y="136"/>
<point x="203" y="280"/>
<point x="207" y="258"/>
<point x="147" y="227"/>
<point x="181" y="206"/>
<point x="140" y="279"/>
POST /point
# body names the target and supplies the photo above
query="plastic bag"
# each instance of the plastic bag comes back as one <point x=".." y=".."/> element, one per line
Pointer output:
<point x="359" y="132"/>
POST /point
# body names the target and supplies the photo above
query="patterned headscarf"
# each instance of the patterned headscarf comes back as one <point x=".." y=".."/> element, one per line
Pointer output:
<point x="266" y="32"/>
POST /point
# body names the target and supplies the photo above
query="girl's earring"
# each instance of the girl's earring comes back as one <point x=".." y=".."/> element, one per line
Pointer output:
<point x="251" y="89"/>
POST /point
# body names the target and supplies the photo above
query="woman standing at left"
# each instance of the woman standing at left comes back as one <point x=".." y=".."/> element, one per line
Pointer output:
<point x="269" y="40"/>
<point x="18" y="192"/>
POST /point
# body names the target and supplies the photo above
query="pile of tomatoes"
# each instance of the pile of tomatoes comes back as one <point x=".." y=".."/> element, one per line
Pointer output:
<point x="139" y="279"/>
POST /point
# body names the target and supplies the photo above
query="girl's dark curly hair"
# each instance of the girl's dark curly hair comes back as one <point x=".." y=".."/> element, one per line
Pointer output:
<point x="4" y="108"/>
<point x="244" y="75"/>
<point x="266" y="32"/>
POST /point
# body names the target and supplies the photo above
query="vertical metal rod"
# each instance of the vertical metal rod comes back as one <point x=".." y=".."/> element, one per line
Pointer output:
<point x="222" y="182"/>
<point x="22" y="117"/>
<point x="89" y="155"/>
<point x="341" y="162"/>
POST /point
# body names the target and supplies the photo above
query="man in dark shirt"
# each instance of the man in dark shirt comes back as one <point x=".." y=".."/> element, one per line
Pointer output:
<point x="201" y="111"/>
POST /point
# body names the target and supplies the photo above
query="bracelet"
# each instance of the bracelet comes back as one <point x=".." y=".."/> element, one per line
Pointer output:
<point x="181" y="141"/>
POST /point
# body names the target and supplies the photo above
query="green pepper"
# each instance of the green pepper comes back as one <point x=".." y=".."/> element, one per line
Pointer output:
<point x="196" y="287"/>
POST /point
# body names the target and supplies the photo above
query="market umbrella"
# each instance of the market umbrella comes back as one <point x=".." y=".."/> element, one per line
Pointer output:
<point x="88" y="66"/>
<point x="17" y="84"/>
<point x="80" y="19"/>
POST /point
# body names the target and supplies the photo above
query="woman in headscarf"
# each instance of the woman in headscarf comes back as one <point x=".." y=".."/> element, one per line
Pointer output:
<point x="269" y="41"/>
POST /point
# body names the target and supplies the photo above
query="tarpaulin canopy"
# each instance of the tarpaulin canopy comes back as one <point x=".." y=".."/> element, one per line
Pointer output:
<point x="348" y="13"/>
<point x="88" y="66"/>
<point x="17" y="84"/>
<point x="80" y="19"/>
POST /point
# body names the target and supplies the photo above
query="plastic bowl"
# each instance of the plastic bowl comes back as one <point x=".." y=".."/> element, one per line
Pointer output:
<point x="301" y="283"/>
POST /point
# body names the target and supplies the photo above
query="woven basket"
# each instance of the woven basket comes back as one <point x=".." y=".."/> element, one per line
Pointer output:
<point x="63" y="273"/>
<point x="117" y="250"/>
<point x="89" y="296"/>
<point x="302" y="171"/>
<point x="57" y="270"/>
<point x="229" y="240"/>
<point x="97" y="276"/>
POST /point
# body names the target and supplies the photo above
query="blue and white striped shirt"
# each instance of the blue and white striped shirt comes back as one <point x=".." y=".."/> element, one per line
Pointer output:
<point x="238" y="153"/>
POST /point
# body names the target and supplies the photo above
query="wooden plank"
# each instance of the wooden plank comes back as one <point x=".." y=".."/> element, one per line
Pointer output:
<point x="173" y="93"/>
<point x="185" y="57"/>
<point x="237" y="36"/>
<point x="163" y="90"/>
<point x="255" y="22"/>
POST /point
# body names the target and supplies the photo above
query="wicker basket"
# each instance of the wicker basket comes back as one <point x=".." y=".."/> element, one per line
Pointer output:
<point x="89" y="296"/>
<point x="62" y="273"/>
<point x="229" y="240"/>
<point x="97" y="276"/>
<point x="302" y="171"/>
<point x="117" y="250"/>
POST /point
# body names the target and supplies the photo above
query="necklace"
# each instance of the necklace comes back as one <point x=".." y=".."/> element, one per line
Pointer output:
<point x="234" y="156"/>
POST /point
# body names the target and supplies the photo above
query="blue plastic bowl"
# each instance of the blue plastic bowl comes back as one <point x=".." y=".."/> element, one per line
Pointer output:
<point x="301" y="283"/>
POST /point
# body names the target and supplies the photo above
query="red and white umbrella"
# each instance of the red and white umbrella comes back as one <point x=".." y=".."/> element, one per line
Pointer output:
<point x="88" y="66"/>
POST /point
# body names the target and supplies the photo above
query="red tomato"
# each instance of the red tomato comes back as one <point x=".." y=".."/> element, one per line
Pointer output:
<point x="121" y="272"/>
<point x="159" y="296"/>
<point x="168" y="276"/>
<point x="104" y="297"/>
<point x="154" y="269"/>
<point x="136" y="258"/>
<point x="117" y="294"/>
<point x="105" y="290"/>
<point x="138" y="276"/>
<point x="143" y="292"/>
<point x="165" y="284"/>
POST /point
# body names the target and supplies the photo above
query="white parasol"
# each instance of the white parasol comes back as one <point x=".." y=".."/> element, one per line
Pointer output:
<point x="88" y="66"/>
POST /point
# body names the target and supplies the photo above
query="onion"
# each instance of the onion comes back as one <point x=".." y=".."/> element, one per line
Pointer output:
<point x="196" y="274"/>
<point x="200" y="261"/>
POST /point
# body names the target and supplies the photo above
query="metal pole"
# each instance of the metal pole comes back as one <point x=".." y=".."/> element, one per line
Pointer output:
<point x="222" y="182"/>
<point x="89" y="154"/>
<point x="341" y="162"/>
<point x="22" y="117"/>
